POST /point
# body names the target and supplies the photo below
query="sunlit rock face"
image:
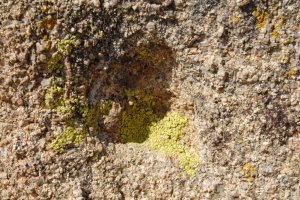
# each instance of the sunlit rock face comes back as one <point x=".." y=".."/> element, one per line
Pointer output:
<point x="149" y="99"/>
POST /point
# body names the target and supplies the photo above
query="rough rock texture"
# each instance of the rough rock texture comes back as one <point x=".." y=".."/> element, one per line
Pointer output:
<point x="231" y="67"/>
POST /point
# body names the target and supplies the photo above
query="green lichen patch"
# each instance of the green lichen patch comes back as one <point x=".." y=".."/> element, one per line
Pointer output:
<point x="165" y="136"/>
<point x="65" y="46"/>
<point x="137" y="119"/>
<point x="136" y="123"/>
<point x="55" y="64"/>
<point x="53" y="96"/>
<point x="69" y="136"/>
<point x="141" y="125"/>
<point x="149" y="56"/>
<point x="79" y="119"/>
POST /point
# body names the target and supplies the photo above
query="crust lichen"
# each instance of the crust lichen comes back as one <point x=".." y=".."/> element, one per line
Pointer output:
<point x="141" y="125"/>
<point x="279" y="23"/>
<point x="69" y="136"/>
<point x="248" y="171"/>
<point x="55" y="64"/>
<point x="78" y="117"/>
<point x="65" y="46"/>
<point x="165" y="136"/>
<point x="261" y="18"/>
<point x="53" y="96"/>
<point x="47" y="23"/>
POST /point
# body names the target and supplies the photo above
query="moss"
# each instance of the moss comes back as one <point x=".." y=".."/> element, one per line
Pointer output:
<point x="279" y="23"/>
<point x="141" y="125"/>
<point x="261" y="18"/>
<point x="65" y="46"/>
<point x="69" y="136"/>
<point x="55" y="64"/>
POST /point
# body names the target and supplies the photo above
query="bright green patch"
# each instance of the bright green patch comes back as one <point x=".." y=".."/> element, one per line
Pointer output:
<point x="136" y="124"/>
<point x="141" y="125"/>
<point x="165" y="136"/>
<point x="99" y="35"/>
<point x="69" y="136"/>
<point x="79" y="116"/>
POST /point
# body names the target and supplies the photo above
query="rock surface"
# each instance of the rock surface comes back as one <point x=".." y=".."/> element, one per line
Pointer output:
<point x="235" y="76"/>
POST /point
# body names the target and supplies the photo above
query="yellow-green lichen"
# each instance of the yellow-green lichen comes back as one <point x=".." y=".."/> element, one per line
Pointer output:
<point x="279" y="23"/>
<point x="291" y="73"/>
<point x="65" y="46"/>
<point x="261" y="18"/>
<point x="248" y="171"/>
<point x="136" y="121"/>
<point x="53" y="96"/>
<point x="69" y="136"/>
<point x="79" y="119"/>
<point x="55" y="64"/>
<point x="165" y="136"/>
<point x="44" y="8"/>
<point x="141" y="125"/>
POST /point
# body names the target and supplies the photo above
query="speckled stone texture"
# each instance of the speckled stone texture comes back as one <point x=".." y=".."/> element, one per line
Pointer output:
<point x="235" y="74"/>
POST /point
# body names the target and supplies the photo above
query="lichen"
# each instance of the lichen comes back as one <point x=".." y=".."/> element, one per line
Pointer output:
<point x="55" y="64"/>
<point x="235" y="18"/>
<point x="44" y="8"/>
<point x="248" y="171"/>
<point x="291" y="73"/>
<point x="47" y="23"/>
<point x="141" y="125"/>
<point x="165" y="136"/>
<point x="53" y="96"/>
<point x="69" y="136"/>
<point x="137" y="119"/>
<point x="279" y="23"/>
<point x="79" y="119"/>
<point x="99" y="35"/>
<point x="261" y="18"/>
<point x="65" y="46"/>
